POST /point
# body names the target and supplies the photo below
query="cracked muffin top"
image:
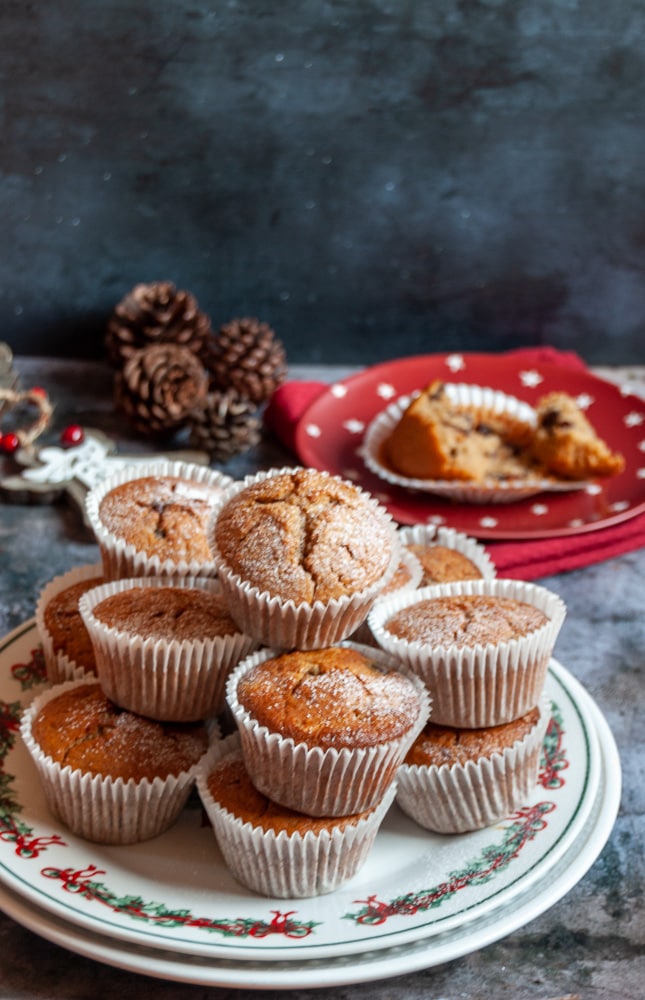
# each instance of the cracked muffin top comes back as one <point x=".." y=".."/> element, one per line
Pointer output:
<point x="465" y="620"/>
<point x="304" y="536"/>
<point x="333" y="697"/>
<point x="82" y="728"/>
<point x="438" y="745"/>
<point x="164" y="516"/>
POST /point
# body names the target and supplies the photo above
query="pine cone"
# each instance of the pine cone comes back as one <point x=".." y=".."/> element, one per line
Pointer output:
<point x="227" y="424"/>
<point x="246" y="356"/>
<point x="159" y="387"/>
<point x="152" y="314"/>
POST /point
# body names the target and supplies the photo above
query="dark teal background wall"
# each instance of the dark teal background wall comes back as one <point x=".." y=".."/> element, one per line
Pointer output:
<point x="373" y="178"/>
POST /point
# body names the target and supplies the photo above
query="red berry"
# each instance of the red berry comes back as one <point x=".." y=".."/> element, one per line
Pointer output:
<point x="38" y="390"/>
<point x="9" y="442"/>
<point x="71" y="435"/>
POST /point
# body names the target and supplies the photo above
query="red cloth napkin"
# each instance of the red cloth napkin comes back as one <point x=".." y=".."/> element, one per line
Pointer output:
<point x="525" y="560"/>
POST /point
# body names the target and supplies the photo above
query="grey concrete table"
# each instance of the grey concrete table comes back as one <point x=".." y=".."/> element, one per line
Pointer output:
<point x="589" y="946"/>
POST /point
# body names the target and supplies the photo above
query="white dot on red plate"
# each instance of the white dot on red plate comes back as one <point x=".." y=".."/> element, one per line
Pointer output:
<point x="352" y="474"/>
<point x="593" y="489"/>
<point x="619" y="505"/>
<point x="584" y="400"/>
<point x="313" y="430"/>
<point x="530" y="378"/>
<point x="354" y="426"/>
<point x="539" y="509"/>
<point x="641" y="445"/>
<point x="577" y="522"/>
<point x="634" y="419"/>
<point x="338" y="390"/>
<point x="488" y="522"/>
<point x="385" y="390"/>
<point x="640" y="473"/>
<point x="455" y="362"/>
<point x="436" y="519"/>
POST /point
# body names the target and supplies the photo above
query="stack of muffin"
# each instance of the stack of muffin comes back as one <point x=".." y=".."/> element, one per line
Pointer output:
<point x="137" y="649"/>
<point x="297" y="794"/>
<point x="241" y="602"/>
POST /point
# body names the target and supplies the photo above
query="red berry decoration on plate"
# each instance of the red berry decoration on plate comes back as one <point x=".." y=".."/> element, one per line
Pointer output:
<point x="72" y="435"/>
<point x="9" y="442"/>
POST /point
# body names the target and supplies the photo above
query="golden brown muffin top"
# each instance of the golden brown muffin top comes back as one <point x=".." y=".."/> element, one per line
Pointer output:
<point x="442" y="564"/>
<point x="402" y="576"/>
<point x="161" y="515"/>
<point x="439" y="745"/>
<point x="63" y="622"/>
<point x="304" y="536"/>
<point x="167" y="613"/>
<point x="83" y="729"/>
<point x="231" y="787"/>
<point x="566" y="441"/>
<point x="333" y="697"/>
<point x="465" y="620"/>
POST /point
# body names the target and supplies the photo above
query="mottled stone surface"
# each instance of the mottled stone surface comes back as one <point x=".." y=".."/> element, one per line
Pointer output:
<point x="435" y="176"/>
<point x="589" y="946"/>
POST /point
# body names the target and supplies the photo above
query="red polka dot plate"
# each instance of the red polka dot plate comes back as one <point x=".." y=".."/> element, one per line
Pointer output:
<point x="331" y="432"/>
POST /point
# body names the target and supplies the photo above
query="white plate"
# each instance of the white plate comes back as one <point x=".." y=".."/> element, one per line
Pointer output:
<point x="195" y="924"/>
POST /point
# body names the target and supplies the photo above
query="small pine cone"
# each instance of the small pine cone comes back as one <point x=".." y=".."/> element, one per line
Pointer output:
<point x="159" y="386"/>
<point x="226" y="425"/>
<point x="153" y="314"/>
<point x="246" y="356"/>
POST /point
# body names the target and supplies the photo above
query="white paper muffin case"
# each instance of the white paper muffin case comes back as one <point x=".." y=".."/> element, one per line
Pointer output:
<point x="121" y="559"/>
<point x="309" y="779"/>
<point x="461" y="797"/>
<point x="283" y="865"/>
<point x="60" y="667"/>
<point x="461" y="490"/>
<point x="104" y="809"/>
<point x="430" y="534"/>
<point x="482" y="685"/>
<point x="283" y="624"/>
<point x="169" y="680"/>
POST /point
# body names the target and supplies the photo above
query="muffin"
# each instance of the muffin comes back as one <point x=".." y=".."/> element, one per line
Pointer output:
<point x="407" y="576"/>
<point x="438" y="438"/>
<point x="272" y="849"/>
<point x="566" y="442"/>
<point x="67" y="646"/>
<point x="164" y="648"/>
<point x="109" y="775"/>
<point x="301" y="556"/>
<point x="446" y="555"/>
<point x="482" y="647"/>
<point x="323" y="731"/>
<point x="456" y="780"/>
<point x="151" y="519"/>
